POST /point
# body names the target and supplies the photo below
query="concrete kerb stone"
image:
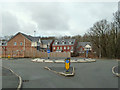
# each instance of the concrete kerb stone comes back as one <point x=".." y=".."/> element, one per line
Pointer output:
<point x="62" y="61"/>
<point x="117" y="74"/>
<point x="61" y="73"/>
<point x="37" y="60"/>
<point x="48" y="61"/>
<point x="59" y="61"/>
<point x="20" y="79"/>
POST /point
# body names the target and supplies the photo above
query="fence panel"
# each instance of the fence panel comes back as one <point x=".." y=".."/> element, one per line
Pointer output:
<point x="34" y="54"/>
<point x="39" y="54"/>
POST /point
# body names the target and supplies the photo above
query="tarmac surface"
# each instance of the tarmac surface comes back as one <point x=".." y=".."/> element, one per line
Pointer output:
<point x="87" y="75"/>
<point x="62" y="69"/>
<point x="116" y="69"/>
<point x="9" y="79"/>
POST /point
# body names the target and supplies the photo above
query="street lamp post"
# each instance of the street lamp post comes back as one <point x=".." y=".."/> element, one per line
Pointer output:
<point x="34" y="43"/>
<point x="99" y="48"/>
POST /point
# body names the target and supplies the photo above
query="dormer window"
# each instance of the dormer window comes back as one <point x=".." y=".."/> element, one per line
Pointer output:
<point x="63" y="42"/>
<point x="56" y="42"/>
<point x="15" y="43"/>
<point x="69" y="42"/>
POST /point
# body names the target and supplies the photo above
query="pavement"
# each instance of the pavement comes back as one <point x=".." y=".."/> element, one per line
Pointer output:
<point x="87" y="75"/>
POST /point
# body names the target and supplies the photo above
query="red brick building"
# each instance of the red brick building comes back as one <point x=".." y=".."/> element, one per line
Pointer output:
<point x="20" y="42"/>
<point x="64" y="45"/>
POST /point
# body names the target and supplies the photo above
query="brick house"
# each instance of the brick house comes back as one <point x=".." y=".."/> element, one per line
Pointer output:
<point x="83" y="46"/>
<point x="64" y="45"/>
<point x="22" y="42"/>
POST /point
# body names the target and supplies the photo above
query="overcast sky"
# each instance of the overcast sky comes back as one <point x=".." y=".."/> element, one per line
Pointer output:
<point x="54" y="18"/>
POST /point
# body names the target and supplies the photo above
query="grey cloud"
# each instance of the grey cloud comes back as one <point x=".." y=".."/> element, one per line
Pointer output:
<point x="9" y="24"/>
<point x="49" y="16"/>
<point x="53" y="18"/>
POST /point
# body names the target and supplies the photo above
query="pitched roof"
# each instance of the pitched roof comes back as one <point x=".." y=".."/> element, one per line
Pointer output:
<point x="66" y="40"/>
<point x="31" y="38"/>
<point x="46" y="41"/>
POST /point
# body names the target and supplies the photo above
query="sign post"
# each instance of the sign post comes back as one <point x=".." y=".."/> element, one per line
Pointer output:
<point x="48" y="51"/>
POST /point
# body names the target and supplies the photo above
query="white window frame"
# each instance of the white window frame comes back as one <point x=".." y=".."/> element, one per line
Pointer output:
<point x="70" y="42"/>
<point x="72" y="47"/>
<point x="68" y="47"/>
<point x="81" y="49"/>
<point x="15" y="43"/>
<point x="64" y="47"/>
<point x="21" y="43"/>
<point x="57" y="48"/>
<point x="56" y="43"/>
<point x="54" y="48"/>
<point x="63" y="42"/>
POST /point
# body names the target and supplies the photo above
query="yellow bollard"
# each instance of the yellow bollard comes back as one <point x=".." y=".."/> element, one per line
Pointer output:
<point x="67" y="64"/>
<point x="8" y="56"/>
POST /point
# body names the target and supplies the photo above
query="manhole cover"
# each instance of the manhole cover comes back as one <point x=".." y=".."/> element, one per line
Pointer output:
<point x="25" y="80"/>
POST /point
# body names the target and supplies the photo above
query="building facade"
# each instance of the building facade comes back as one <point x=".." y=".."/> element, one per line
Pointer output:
<point x="83" y="46"/>
<point x="64" y="45"/>
<point x="22" y="42"/>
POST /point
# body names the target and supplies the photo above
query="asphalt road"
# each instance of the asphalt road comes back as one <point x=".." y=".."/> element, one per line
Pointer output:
<point x="87" y="75"/>
<point x="9" y="79"/>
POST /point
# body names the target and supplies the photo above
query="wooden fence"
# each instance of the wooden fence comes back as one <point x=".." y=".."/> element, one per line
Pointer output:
<point x="33" y="54"/>
<point x="39" y="54"/>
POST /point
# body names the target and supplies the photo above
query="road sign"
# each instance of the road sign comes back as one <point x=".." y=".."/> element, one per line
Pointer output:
<point x="87" y="51"/>
<point x="48" y="51"/>
<point x="67" y="64"/>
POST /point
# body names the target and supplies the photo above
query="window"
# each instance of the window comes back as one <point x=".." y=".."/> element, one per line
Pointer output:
<point x="81" y="49"/>
<point x="15" y="43"/>
<point x="71" y="51"/>
<point x="57" y="48"/>
<point x="56" y="42"/>
<point x="64" y="47"/>
<point x="21" y="43"/>
<point x="69" y="42"/>
<point x="68" y="47"/>
<point x="63" y="42"/>
<point x="61" y="48"/>
<point x="54" y="48"/>
<point x="71" y="47"/>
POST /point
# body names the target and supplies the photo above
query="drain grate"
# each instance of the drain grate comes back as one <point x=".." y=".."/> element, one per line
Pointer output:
<point x="25" y="80"/>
